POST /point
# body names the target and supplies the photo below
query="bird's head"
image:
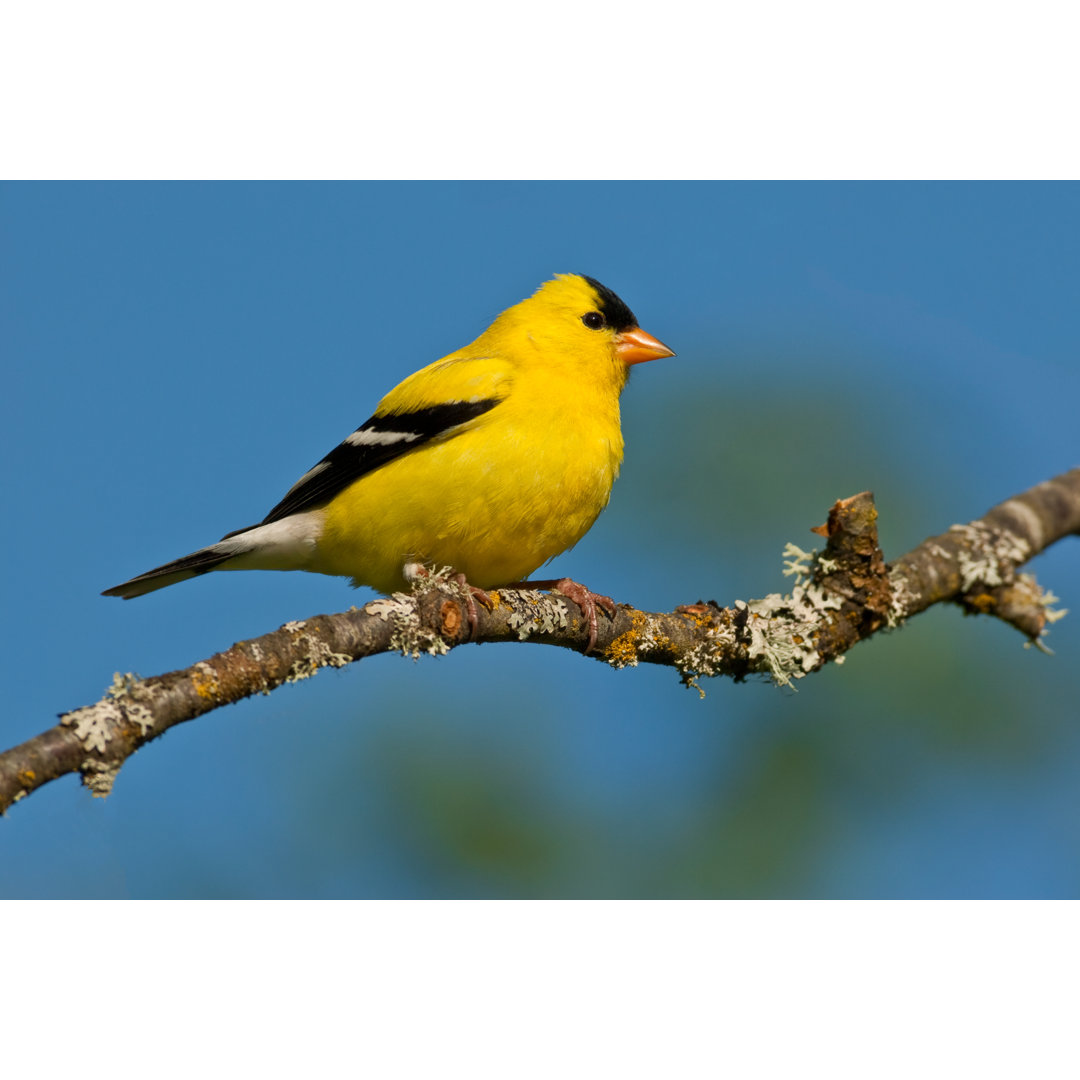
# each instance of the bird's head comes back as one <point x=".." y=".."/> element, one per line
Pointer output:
<point x="573" y="319"/>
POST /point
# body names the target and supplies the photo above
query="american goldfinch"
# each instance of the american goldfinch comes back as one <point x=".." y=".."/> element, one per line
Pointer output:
<point x="491" y="461"/>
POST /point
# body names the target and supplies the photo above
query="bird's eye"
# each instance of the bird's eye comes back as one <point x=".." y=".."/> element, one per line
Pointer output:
<point x="593" y="320"/>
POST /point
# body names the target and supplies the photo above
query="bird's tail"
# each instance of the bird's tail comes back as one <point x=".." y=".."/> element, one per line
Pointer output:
<point x="287" y="544"/>
<point x="198" y="562"/>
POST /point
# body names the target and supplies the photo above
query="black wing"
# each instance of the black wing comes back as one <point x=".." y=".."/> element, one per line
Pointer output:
<point x="380" y="440"/>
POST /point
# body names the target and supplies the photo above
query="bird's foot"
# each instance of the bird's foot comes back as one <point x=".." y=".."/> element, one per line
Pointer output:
<point x="417" y="571"/>
<point x="472" y="594"/>
<point x="585" y="599"/>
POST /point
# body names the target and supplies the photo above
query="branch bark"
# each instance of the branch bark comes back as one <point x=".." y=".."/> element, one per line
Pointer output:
<point x="839" y="597"/>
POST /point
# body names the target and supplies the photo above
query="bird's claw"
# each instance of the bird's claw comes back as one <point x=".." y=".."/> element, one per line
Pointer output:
<point x="472" y="594"/>
<point x="588" y="601"/>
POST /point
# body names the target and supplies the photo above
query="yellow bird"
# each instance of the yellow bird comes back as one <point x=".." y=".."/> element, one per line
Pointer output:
<point x="491" y="461"/>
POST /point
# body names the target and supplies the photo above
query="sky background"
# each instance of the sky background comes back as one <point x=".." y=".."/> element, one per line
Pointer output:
<point x="176" y="355"/>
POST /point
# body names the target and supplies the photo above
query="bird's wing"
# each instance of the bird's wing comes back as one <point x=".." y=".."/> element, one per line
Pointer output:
<point x="438" y="402"/>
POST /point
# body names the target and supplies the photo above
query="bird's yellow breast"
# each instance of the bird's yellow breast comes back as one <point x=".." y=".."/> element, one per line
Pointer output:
<point x="495" y="501"/>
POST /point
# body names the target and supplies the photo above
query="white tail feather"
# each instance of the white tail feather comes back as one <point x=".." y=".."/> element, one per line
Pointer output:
<point x="282" y="545"/>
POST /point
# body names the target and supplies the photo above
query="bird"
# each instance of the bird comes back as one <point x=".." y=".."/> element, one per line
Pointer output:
<point x="490" y="461"/>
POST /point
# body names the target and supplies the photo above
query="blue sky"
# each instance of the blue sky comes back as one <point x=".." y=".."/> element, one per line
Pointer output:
<point x="176" y="355"/>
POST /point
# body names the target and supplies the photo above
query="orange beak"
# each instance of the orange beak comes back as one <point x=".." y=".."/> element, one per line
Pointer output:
<point x="634" y="346"/>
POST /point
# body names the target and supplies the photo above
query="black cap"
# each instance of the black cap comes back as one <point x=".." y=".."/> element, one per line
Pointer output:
<point x="615" y="312"/>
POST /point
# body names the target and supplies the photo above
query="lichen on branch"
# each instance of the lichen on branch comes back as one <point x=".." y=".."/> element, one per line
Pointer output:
<point x="840" y="596"/>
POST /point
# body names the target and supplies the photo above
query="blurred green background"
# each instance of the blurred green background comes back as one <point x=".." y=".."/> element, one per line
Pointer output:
<point x="177" y="354"/>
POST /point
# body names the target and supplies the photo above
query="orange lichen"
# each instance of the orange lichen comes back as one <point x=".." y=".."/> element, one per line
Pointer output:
<point x="983" y="603"/>
<point x="205" y="682"/>
<point x="640" y="638"/>
<point x="701" y="615"/>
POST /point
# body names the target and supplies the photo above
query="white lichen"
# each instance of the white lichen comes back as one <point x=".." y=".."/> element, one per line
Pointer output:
<point x="408" y="637"/>
<point x="901" y="599"/>
<point x="98" y="776"/>
<point x="797" y="563"/>
<point x="1044" y="599"/>
<point x="123" y="684"/>
<point x="317" y="654"/>
<point x="141" y="715"/>
<point x="705" y="660"/>
<point x="782" y="628"/>
<point x="649" y="636"/>
<point x="991" y="555"/>
<point x="802" y="564"/>
<point x="978" y="570"/>
<point x="93" y="723"/>
<point x="389" y="607"/>
<point x="125" y="688"/>
<point x="254" y="650"/>
<point x="1052" y="614"/>
<point x="532" y="612"/>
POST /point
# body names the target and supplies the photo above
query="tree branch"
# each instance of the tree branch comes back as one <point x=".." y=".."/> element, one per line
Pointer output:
<point x="839" y="597"/>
